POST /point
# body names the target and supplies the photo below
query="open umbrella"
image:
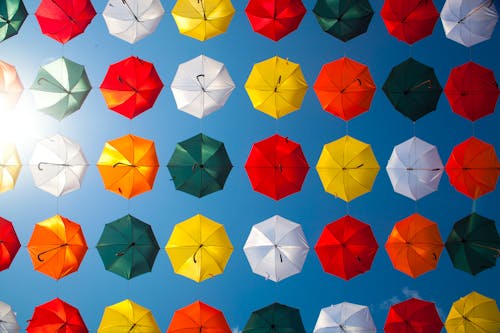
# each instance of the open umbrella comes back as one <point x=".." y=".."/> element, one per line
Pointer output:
<point x="9" y="244"/>
<point x="8" y="321"/>
<point x="276" y="248"/>
<point x="56" y="316"/>
<point x="201" y="86"/>
<point x="60" y="88"/>
<point x="276" y="86"/>
<point x="276" y="167"/>
<point x="413" y="316"/>
<point x="12" y="16"/>
<point x="127" y="317"/>
<point x="10" y="166"/>
<point x="132" y="20"/>
<point x="198" y="317"/>
<point x="11" y="87"/>
<point x="345" y="317"/>
<point x="276" y="318"/>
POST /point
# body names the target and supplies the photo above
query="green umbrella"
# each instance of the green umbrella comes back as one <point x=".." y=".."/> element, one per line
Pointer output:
<point x="413" y="89"/>
<point x="199" y="166"/>
<point x="128" y="247"/>
<point x="60" y="88"/>
<point x="473" y="244"/>
<point x="12" y="16"/>
<point x="343" y="19"/>
<point x="275" y="318"/>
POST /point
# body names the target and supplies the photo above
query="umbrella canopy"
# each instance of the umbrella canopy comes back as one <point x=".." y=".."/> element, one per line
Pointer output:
<point x="12" y="16"/>
<point x="132" y="20"/>
<point x="276" y="248"/>
<point x="57" y="247"/>
<point x="276" y="167"/>
<point x="128" y="165"/>
<point x="345" y="88"/>
<point x="58" y="165"/>
<point x="276" y="18"/>
<point x="473" y="244"/>
<point x="199" y="165"/>
<point x="415" y="168"/>
<point x="469" y="22"/>
<point x="472" y="91"/>
<point x="413" y="316"/>
<point x="60" y="88"/>
<point x="276" y="86"/>
<point x="277" y="318"/>
<point x="198" y="317"/>
<point x="10" y="166"/>
<point x="413" y="89"/>
<point x="203" y="19"/>
<point x="347" y="168"/>
<point x="346" y="247"/>
<point x="199" y="248"/>
<point x="345" y="317"/>
<point x="127" y="317"/>
<point x="9" y="245"/>
<point x="8" y="321"/>
<point x="11" y="87"/>
<point x="201" y="86"/>
<point x="414" y="245"/>
<point x="56" y="316"/>
<point x="128" y="247"/>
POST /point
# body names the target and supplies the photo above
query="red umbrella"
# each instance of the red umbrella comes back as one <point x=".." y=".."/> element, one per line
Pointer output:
<point x="346" y="247"/>
<point x="413" y="316"/>
<point x="198" y="317"/>
<point x="472" y="91"/>
<point x="409" y="20"/>
<point x="9" y="243"/>
<point x="64" y="19"/>
<point x="276" y="167"/>
<point x="275" y="18"/>
<point x="56" y="316"/>
<point x="131" y="86"/>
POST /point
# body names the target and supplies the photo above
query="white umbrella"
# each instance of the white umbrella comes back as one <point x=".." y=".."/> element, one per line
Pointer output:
<point x="10" y="86"/>
<point x="132" y="20"/>
<point x="10" y="166"/>
<point x="201" y="86"/>
<point x="58" y="165"/>
<point x="8" y="322"/>
<point x="276" y="248"/>
<point x="345" y="317"/>
<point x="469" y="22"/>
<point x="415" y="168"/>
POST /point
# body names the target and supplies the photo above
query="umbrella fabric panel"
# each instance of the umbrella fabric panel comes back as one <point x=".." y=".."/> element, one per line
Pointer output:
<point x="11" y="87"/>
<point x="10" y="166"/>
<point x="8" y="321"/>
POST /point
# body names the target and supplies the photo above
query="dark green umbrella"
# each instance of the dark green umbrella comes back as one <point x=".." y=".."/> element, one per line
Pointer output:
<point x="199" y="166"/>
<point x="12" y="16"/>
<point x="473" y="244"/>
<point x="343" y="19"/>
<point x="413" y="89"/>
<point x="128" y="247"/>
<point x="275" y="318"/>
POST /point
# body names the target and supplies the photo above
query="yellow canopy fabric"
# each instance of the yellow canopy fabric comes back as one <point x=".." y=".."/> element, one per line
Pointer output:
<point x="276" y="86"/>
<point x="10" y="166"/>
<point x="127" y="317"/>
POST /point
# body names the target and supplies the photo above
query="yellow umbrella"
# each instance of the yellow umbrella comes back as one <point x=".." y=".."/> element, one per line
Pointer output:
<point x="127" y="317"/>
<point x="10" y="166"/>
<point x="347" y="168"/>
<point x="199" y="248"/>
<point x="276" y="86"/>
<point x="473" y="313"/>
<point x="203" y="19"/>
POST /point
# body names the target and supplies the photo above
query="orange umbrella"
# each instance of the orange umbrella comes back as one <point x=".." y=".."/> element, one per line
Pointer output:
<point x="414" y="245"/>
<point x="57" y="247"/>
<point x="198" y="317"/>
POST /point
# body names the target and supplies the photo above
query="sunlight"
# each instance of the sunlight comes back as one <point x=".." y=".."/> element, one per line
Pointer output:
<point x="17" y="125"/>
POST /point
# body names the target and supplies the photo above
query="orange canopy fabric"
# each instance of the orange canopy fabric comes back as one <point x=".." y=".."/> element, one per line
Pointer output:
<point x="198" y="317"/>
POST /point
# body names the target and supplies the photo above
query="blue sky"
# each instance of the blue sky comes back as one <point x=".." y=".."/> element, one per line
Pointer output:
<point x="238" y="291"/>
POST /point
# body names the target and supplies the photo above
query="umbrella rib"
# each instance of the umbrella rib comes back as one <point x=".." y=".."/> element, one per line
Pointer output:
<point x="487" y="3"/>
<point x="125" y="2"/>
<point x="62" y="10"/>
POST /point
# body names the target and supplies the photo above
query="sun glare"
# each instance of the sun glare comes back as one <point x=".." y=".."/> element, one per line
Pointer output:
<point x="17" y="125"/>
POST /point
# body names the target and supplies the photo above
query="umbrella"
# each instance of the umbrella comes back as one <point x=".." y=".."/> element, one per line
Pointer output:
<point x="58" y="165"/>
<point x="345" y="88"/>
<point x="201" y="86"/>
<point x="199" y="165"/>
<point x="276" y="167"/>
<point x="203" y="19"/>
<point x="473" y="168"/>
<point x="347" y="168"/>
<point x="276" y="86"/>
<point x="346" y="247"/>
<point x="11" y="87"/>
<point x="469" y="22"/>
<point x="198" y="317"/>
<point x="276" y="318"/>
<point x="276" y="248"/>
<point x="128" y="247"/>
<point x="414" y="245"/>
<point x="132" y="20"/>
<point x="8" y="321"/>
<point x="413" y="316"/>
<point x="10" y="166"/>
<point x="343" y="19"/>
<point x="199" y="248"/>
<point x="472" y="91"/>
<point x="413" y="89"/>
<point x="12" y="16"/>
<point x="128" y="165"/>
<point x="276" y="18"/>
<point x="414" y="168"/>
<point x="9" y="245"/>
<point x="345" y="317"/>
<point x="473" y="244"/>
<point x="410" y="20"/>
<point x="131" y="86"/>
<point x="60" y="88"/>
<point x="56" y="316"/>
<point x="127" y="317"/>
<point x="63" y="20"/>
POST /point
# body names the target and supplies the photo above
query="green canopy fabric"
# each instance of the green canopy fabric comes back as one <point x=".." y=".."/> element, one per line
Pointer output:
<point x="275" y="318"/>
<point x="343" y="19"/>
<point x="12" y="16"/>
<point x="60" y="88"/>
<point x="128" y="247"/>
<point x="413" y="89"/>
<point x="199" y="166"/>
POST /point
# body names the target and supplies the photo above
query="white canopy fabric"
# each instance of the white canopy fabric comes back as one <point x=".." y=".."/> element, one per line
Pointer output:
<point x="11" y="87"/>
<point x="345" y="317"/>
<point x="10" y="166"/>
<point x="8" y="321"/>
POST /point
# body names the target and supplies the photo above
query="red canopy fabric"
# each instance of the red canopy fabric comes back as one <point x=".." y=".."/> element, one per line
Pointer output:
<point x="56" y="316"/>
<point x="9" y="243"/>
<point x="413" y="316"/>
<point x="198" y="317"/>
